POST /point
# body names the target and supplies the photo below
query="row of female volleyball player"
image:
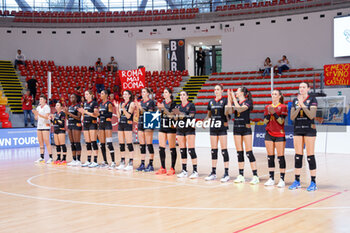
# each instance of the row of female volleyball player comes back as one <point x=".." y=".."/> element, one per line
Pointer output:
<point x="97" y="120"/>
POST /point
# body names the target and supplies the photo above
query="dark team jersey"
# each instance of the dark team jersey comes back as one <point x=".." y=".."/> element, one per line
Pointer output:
<point x="148" y="106"/>
<point x="105" y="115"/>
<point x="165" y="120"/>
<point x="73" y="109"/>
<point x="302" y="122"/>
<point x="123" y="118"/>
<point x="217" y="109"/>
<point x="59" y="120"/>
<point x="187" y="110"/>
<point x="243" y="118"/>
<point x="274" y="128"/>
<point x="90" y="107"/>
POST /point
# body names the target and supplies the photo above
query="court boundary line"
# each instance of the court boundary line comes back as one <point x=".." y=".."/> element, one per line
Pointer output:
<point x="288" y="212"/>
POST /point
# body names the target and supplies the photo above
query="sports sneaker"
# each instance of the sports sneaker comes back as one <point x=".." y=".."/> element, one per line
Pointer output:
<point x="129" y="167"/>
<point x="194" y="175"/>
<point x="93" y="164"/>
<point x="171" y="172"/>
<point x="295" y="185"/>
<point x="183" y="174"/>
<point x="239" y="179"/>
<point x="270" y="182"/>
<point x="63" y="162"/>
<point x="39" y="160"/>
<point x="255" y="180"/>
<point x="72" y="163"/>
<point x="57" y="162"/>
<point x="50" y="161"/>
<point x="225" y="178"/>
<point x="281" y="184"/>
<point x="161" y="171"/>
<point x="121" y="166"/>
<point x="312" y="187"/>
<point x="141" y="168"/>
<point x="103" y="165"/>
<point x="86" y="164"/>
<point x="149" y="168"/>
<point x="112" y="166"/>
<point x="212" y="176"/>
<point x="77" y="163"/>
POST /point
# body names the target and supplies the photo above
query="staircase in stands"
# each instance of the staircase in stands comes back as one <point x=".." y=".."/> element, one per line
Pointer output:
<point x="11" y="86"/>
<point x="193" y="85"/>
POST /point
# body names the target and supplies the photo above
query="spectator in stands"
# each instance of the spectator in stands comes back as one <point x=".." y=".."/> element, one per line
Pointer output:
<point x="283" y="64"/>
<point x="267" y="66"/>
<point x="32" y="84"/>
<point x="19" y="59"/>
<point x="112" y="65"/>
<point x="100" y="79"/>
<point x="116" y="93"/>
<point x="27" y="107"/>
<point x="200" y="61"/>
<point x="98" y="64"/>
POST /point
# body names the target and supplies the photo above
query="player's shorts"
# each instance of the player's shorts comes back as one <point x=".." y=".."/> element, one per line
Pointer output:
<point x="90" y="126"/>
<point x="268" y="137"/>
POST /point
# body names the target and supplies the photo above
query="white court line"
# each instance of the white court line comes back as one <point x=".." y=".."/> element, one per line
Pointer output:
<point x="29" y="181"/>
<point x="165" y="207"/>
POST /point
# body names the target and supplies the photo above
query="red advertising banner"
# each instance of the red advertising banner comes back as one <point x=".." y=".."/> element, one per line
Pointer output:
<point x="337" y="74"/>
<point x="132" y="79"/>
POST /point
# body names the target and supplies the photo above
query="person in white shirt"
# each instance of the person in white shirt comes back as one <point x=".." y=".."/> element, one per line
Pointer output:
<point x="112" y="65"/>
<point x="283" y="65"/>
<point x="19" y="58"/>
<point x="42" y="114"/>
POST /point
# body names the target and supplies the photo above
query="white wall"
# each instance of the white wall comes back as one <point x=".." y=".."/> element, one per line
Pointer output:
<point x="150" y="55"/>
<point x="305" y="42"/>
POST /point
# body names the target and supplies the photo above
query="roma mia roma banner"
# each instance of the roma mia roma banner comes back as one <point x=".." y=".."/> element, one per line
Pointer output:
<point x="337" y="74"/>
<point x="132" y="79"/>
<point x="177" y="54"/>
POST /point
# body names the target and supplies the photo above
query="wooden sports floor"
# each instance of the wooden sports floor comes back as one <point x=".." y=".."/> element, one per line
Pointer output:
<point x="49" y="198"/>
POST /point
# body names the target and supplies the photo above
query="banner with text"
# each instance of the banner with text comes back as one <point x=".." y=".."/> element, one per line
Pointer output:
<point x="177" y="54"/>
<point x="17" y="138"/>
<point x="337" y="74"/>
<point x="132" y="79"/>
<point x="259" y="136"/>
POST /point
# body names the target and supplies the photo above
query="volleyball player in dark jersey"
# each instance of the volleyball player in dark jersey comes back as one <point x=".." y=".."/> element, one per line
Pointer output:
<point x="145" y="136"/>
<point x="105" y="129"/>
<point x="167" y="132"/>
<point x="125" y="111"/>
<point x="216" y="113"/>
<point x="74" y="129"/>
<point x="303" y="114"/>
<point x="58" y="119"/>
<point x="90" y="114"/>
<point x="241" y="103"/>
<point x="186" y="135"/>
<point x="275" y="136"/>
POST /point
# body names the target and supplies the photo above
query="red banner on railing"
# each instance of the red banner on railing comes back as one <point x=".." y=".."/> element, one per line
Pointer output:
<point x="337" y="74"/>
<point x="132" y="79"/>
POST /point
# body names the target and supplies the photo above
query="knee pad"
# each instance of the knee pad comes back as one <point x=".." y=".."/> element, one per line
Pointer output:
<point x="78" y="146"/>
<point x="183" y="152"/>
<point x="173" y="151"/>
<point x="150" y="148"/>
<point x="122" y="147"/>
<point x="312" y="162"/>
<point x="224" y="153"/>
<point x="161" y="151"/>
<point x="250" y="156"/>
<point x="143" y="148"/>
<point x="282" y="162"/>
<point x="88" y="146"/>
<point x="73" y="147"/>
<point x="64" y="148"/>
<point x="298" y="161"/>
<point x="58" y="148"/>
<point x="94" y="145"/>
<point x="130" y="147"/>
<point x="110" y="146"/>
<point x="240" y="156"/>
<point x="192" y="153"/>
<point x="271" y="161"/>
<point x="214" y="154"/>
<point x="103" y="146"/>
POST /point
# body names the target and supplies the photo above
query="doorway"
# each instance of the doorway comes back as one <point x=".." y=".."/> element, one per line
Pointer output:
<point x="212" y="60"/>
